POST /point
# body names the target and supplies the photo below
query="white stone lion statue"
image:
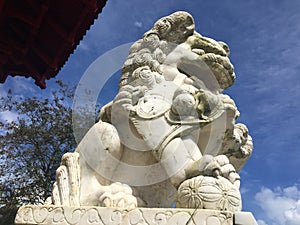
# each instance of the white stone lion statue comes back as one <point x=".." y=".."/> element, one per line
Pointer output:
<point x="169" y="136"/>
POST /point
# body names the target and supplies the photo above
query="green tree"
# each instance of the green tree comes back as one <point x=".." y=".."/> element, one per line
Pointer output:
<point x="31" y="147"/>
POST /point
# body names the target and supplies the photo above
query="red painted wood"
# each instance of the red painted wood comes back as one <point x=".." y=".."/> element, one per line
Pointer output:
<point x="37" y="37"/>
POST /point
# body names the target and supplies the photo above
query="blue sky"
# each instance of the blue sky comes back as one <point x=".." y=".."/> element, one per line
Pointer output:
<point x="265" y="49"/>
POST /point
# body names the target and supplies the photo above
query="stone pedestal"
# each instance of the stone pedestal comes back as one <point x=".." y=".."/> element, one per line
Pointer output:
<point x="58" y="215"/>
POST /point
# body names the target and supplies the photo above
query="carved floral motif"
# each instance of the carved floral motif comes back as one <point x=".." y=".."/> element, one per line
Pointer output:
<point x="43" y="215"/>
<point x="204" y="192"/>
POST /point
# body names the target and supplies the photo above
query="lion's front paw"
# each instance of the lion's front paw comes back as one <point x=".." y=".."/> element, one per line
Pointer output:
<point x="118" y="195"/>
<point x="219" y="166"/>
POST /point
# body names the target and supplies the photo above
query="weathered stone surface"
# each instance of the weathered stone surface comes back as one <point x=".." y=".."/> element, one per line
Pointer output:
<point x="170" y="135"/>
<point x="50" y="215"/>
<point x="168" y="126"/>
<point x="204" y="192"/>
<point x="244" y="218"/>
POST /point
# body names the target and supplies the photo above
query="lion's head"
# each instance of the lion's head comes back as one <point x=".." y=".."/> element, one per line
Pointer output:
<point x="166" y="35"/>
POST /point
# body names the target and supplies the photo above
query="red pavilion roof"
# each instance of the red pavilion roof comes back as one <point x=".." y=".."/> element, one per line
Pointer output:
<point x="38" y="36"/>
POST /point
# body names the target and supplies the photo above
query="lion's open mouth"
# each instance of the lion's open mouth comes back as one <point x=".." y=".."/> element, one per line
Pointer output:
<point x="215" y="71"/>
<point x="212" y="60"/>
<point x="221" y="68"/>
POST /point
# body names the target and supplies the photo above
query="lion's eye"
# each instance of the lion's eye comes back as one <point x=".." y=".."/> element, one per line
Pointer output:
<point x="182" y="28"/>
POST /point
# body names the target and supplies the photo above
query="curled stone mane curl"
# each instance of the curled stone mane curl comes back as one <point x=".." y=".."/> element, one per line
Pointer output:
<point x="157" y="43"/>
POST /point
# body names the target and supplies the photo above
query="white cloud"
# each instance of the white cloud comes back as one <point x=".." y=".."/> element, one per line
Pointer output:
<point x="293" y="215"/>
<point x="22" y="84"/>
<point x="280" y="206"/>
<point x="8" y="116"/>
<point x="138" y="24"/>
<point x="261" y="222"/>
<point x="2" y="91"/>
<point x="244" y="190"/>
<point x="292" y="192"/>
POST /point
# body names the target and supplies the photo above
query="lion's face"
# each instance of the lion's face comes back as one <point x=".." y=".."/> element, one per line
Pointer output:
<point x="215" y="55"/>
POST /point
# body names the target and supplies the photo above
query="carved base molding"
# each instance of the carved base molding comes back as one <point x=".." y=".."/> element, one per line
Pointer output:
<point x="58" y="215"/>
